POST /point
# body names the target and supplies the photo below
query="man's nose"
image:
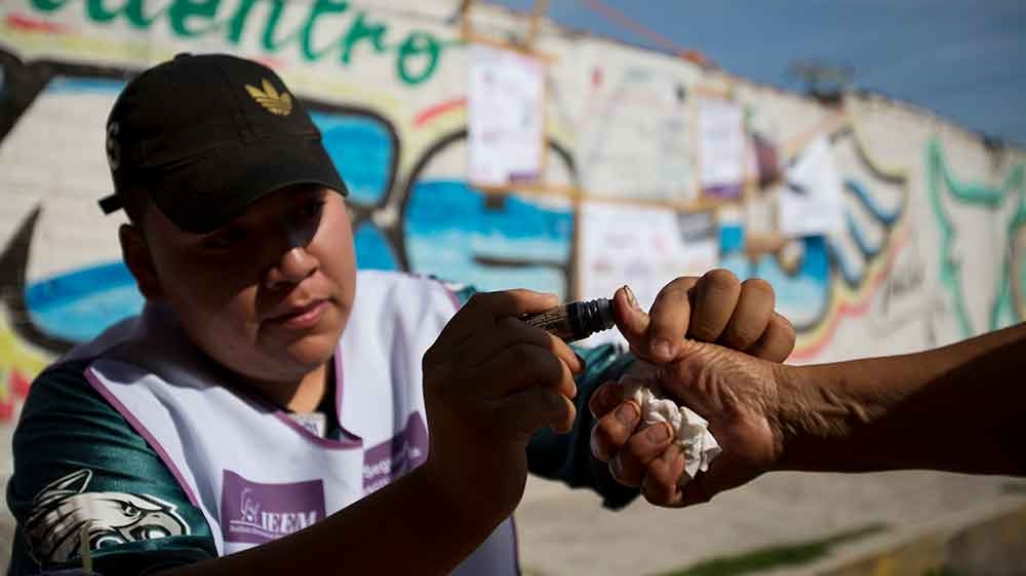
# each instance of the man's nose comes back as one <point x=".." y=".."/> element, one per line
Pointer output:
<point x="294" y="262"/>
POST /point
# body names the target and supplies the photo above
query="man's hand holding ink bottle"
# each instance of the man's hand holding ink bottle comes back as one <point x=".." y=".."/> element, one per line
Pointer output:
<point x="502" y="369"/>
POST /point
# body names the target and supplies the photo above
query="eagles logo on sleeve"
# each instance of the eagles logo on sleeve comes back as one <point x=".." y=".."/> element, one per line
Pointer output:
<point x="61" y="509"/>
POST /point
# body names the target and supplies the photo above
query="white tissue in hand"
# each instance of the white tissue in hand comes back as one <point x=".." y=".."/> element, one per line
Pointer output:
<point x="641" y="385"/>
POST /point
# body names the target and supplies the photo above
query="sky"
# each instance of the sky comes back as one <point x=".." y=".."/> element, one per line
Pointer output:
<point x="963" y="59"/>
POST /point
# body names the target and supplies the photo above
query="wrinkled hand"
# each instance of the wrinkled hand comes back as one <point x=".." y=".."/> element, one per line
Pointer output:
<point x="689" y="333"/>
<point x="490" y="382"/>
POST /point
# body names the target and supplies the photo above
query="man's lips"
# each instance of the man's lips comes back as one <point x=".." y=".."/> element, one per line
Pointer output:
<point x="304" y="316"/>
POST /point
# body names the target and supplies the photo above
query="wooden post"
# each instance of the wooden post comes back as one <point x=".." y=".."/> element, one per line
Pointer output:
<point x="540" y="8"/>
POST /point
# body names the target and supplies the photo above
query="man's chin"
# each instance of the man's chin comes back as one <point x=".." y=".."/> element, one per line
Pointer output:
<point x="311" y="350"/>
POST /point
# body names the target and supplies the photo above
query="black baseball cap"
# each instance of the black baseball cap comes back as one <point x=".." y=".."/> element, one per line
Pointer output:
<point x="207" y="135"/>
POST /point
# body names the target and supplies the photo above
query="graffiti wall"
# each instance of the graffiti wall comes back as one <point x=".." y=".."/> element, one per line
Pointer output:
<point x="931" y="249"/>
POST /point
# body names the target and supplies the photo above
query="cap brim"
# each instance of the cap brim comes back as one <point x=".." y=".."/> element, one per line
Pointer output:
<point x="205" y="194"/>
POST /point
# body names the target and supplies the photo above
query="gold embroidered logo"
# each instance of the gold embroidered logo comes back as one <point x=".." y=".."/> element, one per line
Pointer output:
<point x="278" y="104"/>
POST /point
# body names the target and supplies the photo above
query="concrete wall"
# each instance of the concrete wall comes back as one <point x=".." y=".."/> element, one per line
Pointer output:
<point x="931" y="251"/>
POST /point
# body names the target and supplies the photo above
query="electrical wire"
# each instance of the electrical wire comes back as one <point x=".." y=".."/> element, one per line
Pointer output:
<point x="622" y="20"/>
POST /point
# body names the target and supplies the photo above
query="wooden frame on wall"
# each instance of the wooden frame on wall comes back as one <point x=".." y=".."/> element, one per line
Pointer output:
<point x="526" y="48"/>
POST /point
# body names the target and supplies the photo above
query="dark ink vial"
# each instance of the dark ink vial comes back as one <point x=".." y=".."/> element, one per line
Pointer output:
<point x="575" y="320"/>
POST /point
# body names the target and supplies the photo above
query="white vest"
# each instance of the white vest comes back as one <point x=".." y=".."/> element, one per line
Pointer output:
<point x="254" y="472"/>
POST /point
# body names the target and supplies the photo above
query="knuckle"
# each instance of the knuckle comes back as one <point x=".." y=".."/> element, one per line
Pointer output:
<point x="623" y="470"/>
<point x="720" y="279"/>
<point x="741" y="335"/>
<point x="757" y="287"/>
<point x="785" y="326"/>
<point x="655" y="489"/>
<point x="523" y="354"/>
<point x="704" y="329"/>
<point x="610" y="432"/>
<point x="599" y="447"/>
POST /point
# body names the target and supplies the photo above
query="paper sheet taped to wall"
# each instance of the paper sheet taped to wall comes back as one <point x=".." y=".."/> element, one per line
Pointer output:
<point x="812" y="200"/>
<point x="722" y="148"/>
<point x="643" y="247"/>
<point x="506" y="106"/>
<point x="634" y="126"/>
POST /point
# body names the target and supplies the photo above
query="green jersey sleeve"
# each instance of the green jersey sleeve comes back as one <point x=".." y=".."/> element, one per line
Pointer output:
<point x="79" y="467"/>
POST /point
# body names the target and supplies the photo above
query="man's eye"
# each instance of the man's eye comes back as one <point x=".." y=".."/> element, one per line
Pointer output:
<point x="225" y="239"/>
<point x="311" y="208"/>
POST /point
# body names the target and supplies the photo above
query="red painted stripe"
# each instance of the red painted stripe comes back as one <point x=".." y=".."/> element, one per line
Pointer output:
<point x="429" y="113"/>
<point x="32" y="25"/>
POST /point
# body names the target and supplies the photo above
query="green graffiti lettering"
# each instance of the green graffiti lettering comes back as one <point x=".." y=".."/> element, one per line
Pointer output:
<point x="416" y="57"/>
<point x="132" y="9"/>
<point x="268" y="41"/>
<point x="237" y="24"/>
<point x="940" y="181"/>
<point x="184" y="10"/>
<point x="48" y="5"/>
<point x="418" y="44"/>
<point x="321" y="8"/>
<point x="362" y="30"/>
<point x="239" y="20"/>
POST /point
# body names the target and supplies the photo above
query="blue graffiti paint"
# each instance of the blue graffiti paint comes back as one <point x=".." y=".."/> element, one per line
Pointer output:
<point x="373" y="251"/>
<point x="886" y="218"/>
<point x="362" y="151"/>
<point x="803" y="296"/>
<point x="78" y="305"/>
<point x="449" y="227"/>
<point x="68" y="84"/>
<point x="732" y="237"/>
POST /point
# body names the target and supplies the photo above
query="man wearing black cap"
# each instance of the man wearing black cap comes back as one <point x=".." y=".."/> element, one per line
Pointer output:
<point x="262" y="416"/>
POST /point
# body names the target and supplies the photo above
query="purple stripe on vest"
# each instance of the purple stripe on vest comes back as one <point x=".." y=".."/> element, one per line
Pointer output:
<point x="343" y="444"/>
<point x="144" y="432"/>
<point x="452" y="298"/>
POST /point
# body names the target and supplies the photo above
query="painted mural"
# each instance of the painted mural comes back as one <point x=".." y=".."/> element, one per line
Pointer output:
<point x="386" y="87"/>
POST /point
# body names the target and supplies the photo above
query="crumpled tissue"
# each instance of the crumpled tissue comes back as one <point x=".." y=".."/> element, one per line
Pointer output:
<point x="641" y="385"/>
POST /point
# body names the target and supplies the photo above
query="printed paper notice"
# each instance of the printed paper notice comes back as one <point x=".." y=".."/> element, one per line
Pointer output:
<point x="506" y="106"/>
<point x="643" y="247"/>
<point x="722" y="148"/>
<point x="812" y="200"/>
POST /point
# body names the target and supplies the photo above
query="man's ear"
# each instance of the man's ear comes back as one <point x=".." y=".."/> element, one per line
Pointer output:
<point x="136" y="254"/>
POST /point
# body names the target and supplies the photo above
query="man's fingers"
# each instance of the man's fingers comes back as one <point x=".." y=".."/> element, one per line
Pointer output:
<point x="698" y="490"/>
<point x="613" y="430"/>
<point x="670" y="316"/>
<point x="751" y="315"/>
<point x="716" y="295"/>
<point x="510" y="332"/>
<point x="660" y="484"/>
<point x="485" y="308"/>
<point x="521" y="366"/>
<point x="605" y="398"/>
<point x="525" y="412"/>
<point x="776" y="342"/>
<point x="630" y="317"/>
<point x="628" y="466"/>
<point x="495" y="305"/>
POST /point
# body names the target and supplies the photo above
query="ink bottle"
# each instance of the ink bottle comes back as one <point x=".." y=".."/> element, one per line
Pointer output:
<point x="574" y="320"/>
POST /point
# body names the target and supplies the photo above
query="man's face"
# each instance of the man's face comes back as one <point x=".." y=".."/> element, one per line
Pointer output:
<point x="269" y="294"/>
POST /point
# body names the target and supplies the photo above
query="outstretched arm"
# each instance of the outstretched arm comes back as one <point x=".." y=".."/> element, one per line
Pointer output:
<point x="959" y="408"/>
